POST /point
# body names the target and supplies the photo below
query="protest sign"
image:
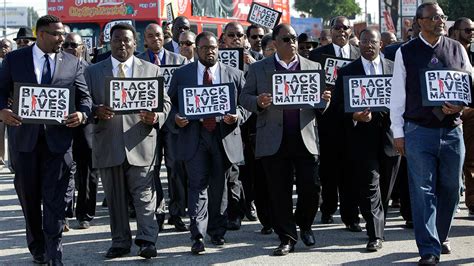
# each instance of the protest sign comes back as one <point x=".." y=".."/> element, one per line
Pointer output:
<point x="207" y="100"/>
<point x="132" y="95"/>
<point x="89" y="43"/>
<point x="233" y="57"/>
<point x="331" y="66"/>
<point x="298" y="89"/>
<point x="445" y="85"/>
<point x="167" y="72"/>
<point x="263" y="16"/>
<point x="362" y="92"/>
<point x="43" y="104"/>
<point x="169" y="13"/>
<point x="109" y="26"/>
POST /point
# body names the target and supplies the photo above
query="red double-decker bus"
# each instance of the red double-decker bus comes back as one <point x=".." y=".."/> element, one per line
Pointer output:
<point x="88" y="17"/>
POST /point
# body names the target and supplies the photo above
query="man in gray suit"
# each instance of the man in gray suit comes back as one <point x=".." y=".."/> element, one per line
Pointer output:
<point x="208" y="147"/>
<point x="157" y="55"/>
<point x="287" y="142"/>
<point x="124" y="147"/>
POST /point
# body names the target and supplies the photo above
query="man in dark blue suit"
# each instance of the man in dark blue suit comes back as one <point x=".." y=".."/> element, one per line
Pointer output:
<point x="42" y="153"/>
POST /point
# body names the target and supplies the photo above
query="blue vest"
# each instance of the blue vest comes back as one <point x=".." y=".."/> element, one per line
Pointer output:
<point x="417" y="56"/>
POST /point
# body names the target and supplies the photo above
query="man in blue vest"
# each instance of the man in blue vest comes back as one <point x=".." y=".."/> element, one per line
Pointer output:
<point x="430" y="137"/>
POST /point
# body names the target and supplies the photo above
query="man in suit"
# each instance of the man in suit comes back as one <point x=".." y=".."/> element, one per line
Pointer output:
<point x="42" y="153"/>
<point x="369" y="142"/>
<point x="208" y="147"/>
<point x="176" y="175"/>
<point x="187" y="46"/>
<point x="124" y="147"/>
<point x="180" y="25"/>
<point x="330" y="132"/>
<point x="255" y="35"/>
<point x="286" y="141"/>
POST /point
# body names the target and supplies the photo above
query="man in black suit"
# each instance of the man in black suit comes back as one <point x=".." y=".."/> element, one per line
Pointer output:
<point x="330" y="132"/>
<point x="42" y="153"/>
<point x="255" y="35"/>
<point x="369" y="142"/>
<point x="180" y="25"/>
<point x="209" y="147"/>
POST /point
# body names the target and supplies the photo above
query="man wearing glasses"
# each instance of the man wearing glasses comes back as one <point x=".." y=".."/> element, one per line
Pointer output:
<point x="180" y="25"/>
<point x="42" y="153"/>
<point x="430" y="137"/>
<point x="24" y="38"/>
<point x="286" y="142"/>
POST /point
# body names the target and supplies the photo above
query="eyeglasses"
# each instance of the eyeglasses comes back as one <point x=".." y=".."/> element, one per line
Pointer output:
<point x="289" y="38"/>
<point x="23" y="41"/>
<point x="232" y="35"/>
<point x="73" y="45"/>
<point x="305" y="46"/>
<point x="55" y="33"/>
<point x="186" y="43"/>
<point x="371" y="42"/>
<point x="207" y="48"/>
<point x="436" y="17"/>
<point x="254" y="37"/>
<point x="467" y="30"/>
<point x="341" y="27"/>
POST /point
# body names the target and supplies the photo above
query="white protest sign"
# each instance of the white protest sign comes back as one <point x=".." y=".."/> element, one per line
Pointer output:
<point x="298" y="89"/>
<point x="89" y="43"/>
<point x="263" y="16"/>
<point x="445" y="85"/>
<point x="332" y="66"/>
<point x="109" y="26"/>
<point x="40" y="104"/>
<point x="167" y="72"/>
<point x="233" y="57"/>
<point x="362" y="92"/>
<point x="207" y="101"/>
<point x="131" y="95"/>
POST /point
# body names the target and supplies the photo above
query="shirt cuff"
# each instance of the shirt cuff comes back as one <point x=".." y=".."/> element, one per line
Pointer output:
<point x="398" y="133"/>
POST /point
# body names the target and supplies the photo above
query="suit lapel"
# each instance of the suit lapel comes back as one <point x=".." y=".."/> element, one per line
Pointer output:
<point x="387" y="70"/>
<point x="58" y="64"/>
<point x="137" y="68"/>
<point x="359" y="67"/>
<point x="29" y="65"/>
<point x="107" y="70"/>
<point x="224" y="73"/>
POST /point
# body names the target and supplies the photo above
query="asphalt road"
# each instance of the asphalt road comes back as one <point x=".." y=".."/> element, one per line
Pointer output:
<point x="334" y="245"/>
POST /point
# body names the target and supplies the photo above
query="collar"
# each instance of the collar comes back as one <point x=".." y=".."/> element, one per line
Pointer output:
<point x="346" y="48"/>
<point x="283" y="64"/>
<point x="213" y="68"/>
<point x="366" y="62"/>
<point x="429" y="44"/>
<point x="128" y="63"/>
<point x="39" y="54"/>
<point x="175" y="44"/>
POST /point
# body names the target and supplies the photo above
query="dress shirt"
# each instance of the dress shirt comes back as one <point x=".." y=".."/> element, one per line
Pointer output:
<point x="39" y="60"/>
<point x="346" y="48"/>
<point x="128" y="67"/>
<point x="175" y="46"/>
<point x="398" y="95"/>
<point x="215" y="73"/>
<point x="160" y="53"/>
<point x="377" y="64"/>
<point x="283" y="64"/>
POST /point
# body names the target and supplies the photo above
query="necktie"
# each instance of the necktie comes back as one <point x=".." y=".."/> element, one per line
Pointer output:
<point x="121" y="70"/>
<point x="46" y="75"/>
<point x="157" y="60"/>
<point x="208" y="123"/>
<point x="372" y="69"/>
<point x="341" y="52"/>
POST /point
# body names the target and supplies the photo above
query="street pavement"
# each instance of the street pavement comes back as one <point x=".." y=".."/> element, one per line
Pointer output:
<point x="334" y="244"/>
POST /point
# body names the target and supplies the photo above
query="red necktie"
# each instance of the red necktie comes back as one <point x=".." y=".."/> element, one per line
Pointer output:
<point x="208" y="123"/>
<point x="157" y="60"/>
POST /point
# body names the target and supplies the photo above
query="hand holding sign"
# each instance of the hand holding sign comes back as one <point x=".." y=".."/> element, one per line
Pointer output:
<point x="230" y="119"/>
<point x="149" y="118"/>
<point x="74" y="119"/>
<point x="451" y="109"/>
<point x="399" y="144"/>
<point x="326" y="95"/>
<point x="10" y="118"/>
<point x="181" y="121"/>
<point x="264" y="100"/>
<point x="364" y="116"/>
<point x="104" y="112"/>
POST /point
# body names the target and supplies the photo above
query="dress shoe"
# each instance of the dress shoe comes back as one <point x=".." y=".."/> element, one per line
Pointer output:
<point x="104" y="203"/>
<point x="198" y="247"/>
<point x="116" y="252"/>
<point x="251" y="212"/>
<point x="409" y="224"/>
<point x="446" y="248"/>
<point x="284" y="248"/>
<point x="266" y="230"/>
<point x="39" y="260"/>
<point x="374" y="245"/>
<point x="178" y="223"/>
<point x="234" y="224"/>
<point x="471" y="210"/>
<point x="147" y="250"/>
<point x="428" y="260"/>
<point x="395" y="203"/>
<point x="307" y="237"/>
<point x="218" y="240"/>
<point x="84" y="225"/>
<point x="327" y="219"/>
<point x="354" y="227"/>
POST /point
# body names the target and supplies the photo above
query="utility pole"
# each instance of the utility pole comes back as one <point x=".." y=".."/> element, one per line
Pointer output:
<point x="4" y="18"/>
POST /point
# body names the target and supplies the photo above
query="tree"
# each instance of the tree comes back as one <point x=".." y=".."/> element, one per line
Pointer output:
<point x="455" y="9"/>
<point x="328" y="9"/>
<point x="32" y="17"/>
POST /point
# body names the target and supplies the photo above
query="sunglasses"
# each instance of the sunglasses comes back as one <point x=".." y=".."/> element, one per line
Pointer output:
<point x="305" y="46"/>
<point x="73" y="45"/>
<point x="341" y="27"/>
<point x="232" y="35"/>
<point x="186" y="43"/>
<point x="436" y="18"/>
<point x="289" y="38"/>
<point x="254" y="37"/>
<point x="467" y="30"/>
<point x="23" y="41"/>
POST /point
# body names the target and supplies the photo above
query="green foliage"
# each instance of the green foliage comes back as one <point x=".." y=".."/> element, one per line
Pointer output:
<point x="457" y="8"/>
<point x="328" y="9"/>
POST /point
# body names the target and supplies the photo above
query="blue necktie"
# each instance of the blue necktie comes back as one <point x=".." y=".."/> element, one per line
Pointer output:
<point x="46" y="75"/>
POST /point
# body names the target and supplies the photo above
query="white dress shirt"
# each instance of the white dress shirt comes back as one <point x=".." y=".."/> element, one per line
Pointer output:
<point x="377" y="64"/>
<point x="39" y="60"/>
<point x="346" y="48"/>
<point x="175" y="46"/>
<point x="215" y="73"/>
<point x="283" y="64"/>
<point x="128" y="67"/>
<point x="398" y="95"/>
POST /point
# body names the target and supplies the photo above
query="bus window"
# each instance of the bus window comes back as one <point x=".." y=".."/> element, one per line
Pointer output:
<point x="210" y="27"/>
<point x="140" y="27"/>
<point x="86" y="29"/>
<point x="194" y="28"/>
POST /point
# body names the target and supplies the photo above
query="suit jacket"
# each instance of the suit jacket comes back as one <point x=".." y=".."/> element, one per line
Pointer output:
<point x="256" y="55"/>
<point x="390" y="50"/>
<point x="123" y="136"/>
<point x="169" y="46"/>
<point x="171" y="58"/>
<point x="188" y="136"/>
<point x="316" y="54"/>
<point x="365" y="137"/>
<point x="18" y="66"/>
<point x="270" y="120"/>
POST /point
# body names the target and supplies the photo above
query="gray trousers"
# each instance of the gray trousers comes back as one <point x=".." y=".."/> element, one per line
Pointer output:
<point x="138" y="181"/>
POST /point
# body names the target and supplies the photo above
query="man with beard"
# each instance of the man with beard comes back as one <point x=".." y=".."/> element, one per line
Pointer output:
<point x="369" y="142"/>
<point x="334" y="179"/>
<point x="180" y="25"/>
<point x="42" y="153"/>
<point x="208" y="147"/>
<point x="176" y="175"/>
